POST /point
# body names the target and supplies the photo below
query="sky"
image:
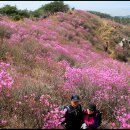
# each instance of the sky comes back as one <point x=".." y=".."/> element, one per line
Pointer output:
<point x="114" y="8"/>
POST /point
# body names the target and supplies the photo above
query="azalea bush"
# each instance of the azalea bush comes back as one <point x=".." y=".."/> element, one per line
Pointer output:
<point x="6" y="82"/>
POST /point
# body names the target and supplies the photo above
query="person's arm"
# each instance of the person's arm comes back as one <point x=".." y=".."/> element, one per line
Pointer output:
<point x="81" y="116"/>
<point x="65" y="116"/>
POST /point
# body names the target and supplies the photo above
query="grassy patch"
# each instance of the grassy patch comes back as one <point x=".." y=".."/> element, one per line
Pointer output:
<point x="67" y="58"/>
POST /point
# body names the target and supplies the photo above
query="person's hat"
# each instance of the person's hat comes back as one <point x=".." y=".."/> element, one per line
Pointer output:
<point x="75" y="98"/>
<point x="92" y="107"/>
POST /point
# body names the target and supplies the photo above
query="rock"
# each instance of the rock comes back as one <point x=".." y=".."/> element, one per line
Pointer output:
<point x="121" y="44"/>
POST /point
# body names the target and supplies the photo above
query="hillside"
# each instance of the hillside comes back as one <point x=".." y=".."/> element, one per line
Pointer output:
<point x="74" y="52"/>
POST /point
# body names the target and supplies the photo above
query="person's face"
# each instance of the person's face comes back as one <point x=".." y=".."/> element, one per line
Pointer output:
<point x="74" y="103"/>
<point x="90" y="112"/>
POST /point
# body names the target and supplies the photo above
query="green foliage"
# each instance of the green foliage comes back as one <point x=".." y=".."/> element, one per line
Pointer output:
<point x="44" y="50"/>
<point x="46" y="9"/>
<point x="24" y="13"/>
<point x="73" y="9"/>
<point x="121" y="57"/>
<point x="16" y="17"/>
<point x="67" y="58"/>
<point x="53" y="7"/>
<point x="14" y="13"/>
<point x="36" y="13"/>
<point x="8" y="10"/>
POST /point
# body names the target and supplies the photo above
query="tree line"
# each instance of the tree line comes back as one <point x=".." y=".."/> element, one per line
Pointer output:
<point x="51" y="8"/>
<point x="17" y="14"/>
<point x="121" y="20"/>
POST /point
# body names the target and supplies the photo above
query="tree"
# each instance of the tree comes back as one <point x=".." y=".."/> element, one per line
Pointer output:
<point x="8" y="10"/>
<point x="53" y="7"/>
<point x="24" y="13"/>
<point x="37" y="13"/>
<point x="14" y="13"/>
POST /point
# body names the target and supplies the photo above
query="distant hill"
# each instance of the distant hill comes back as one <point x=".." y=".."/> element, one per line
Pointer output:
<point x="120" y="19"/>
<point x="128" y="16"/>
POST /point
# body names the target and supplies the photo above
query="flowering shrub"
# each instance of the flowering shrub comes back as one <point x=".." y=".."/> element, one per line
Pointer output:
<point x="6" y="80"/>
<point x="54" y="118"/>
<point x="3" y="123"/>
<point x="109" y="84"/>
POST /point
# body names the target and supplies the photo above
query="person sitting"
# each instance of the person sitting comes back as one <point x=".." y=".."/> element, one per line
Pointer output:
<point x="92" y="117"/>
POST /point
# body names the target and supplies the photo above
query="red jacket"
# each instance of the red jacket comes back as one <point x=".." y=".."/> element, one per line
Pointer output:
<point x="93" y="120"/>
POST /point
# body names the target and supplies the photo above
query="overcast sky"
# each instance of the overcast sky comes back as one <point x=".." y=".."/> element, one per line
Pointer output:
<point x="114" y="8"/>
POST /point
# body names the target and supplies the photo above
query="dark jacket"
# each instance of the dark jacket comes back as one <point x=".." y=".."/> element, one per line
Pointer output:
<point x="73" y="117"/>
<point x="93" y="121"/>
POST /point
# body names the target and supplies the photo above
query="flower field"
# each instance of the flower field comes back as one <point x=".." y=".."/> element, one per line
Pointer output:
<point x="43" y="62"/>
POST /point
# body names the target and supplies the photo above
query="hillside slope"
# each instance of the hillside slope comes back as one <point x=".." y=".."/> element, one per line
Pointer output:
<point x="67" y="53"/>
